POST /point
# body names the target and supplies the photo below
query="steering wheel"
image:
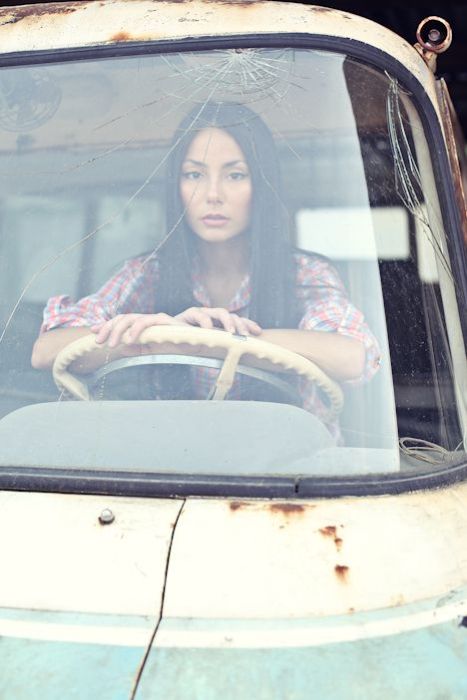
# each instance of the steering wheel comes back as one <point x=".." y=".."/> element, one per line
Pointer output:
<point x="234" y="346"/>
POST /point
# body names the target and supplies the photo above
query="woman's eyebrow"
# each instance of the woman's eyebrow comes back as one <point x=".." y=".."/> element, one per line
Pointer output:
<point x="230" y="164"/>
<point x="195" y="162"/>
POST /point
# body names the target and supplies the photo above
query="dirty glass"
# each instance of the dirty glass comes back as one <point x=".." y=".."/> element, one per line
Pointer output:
<point x="290" y="187"/>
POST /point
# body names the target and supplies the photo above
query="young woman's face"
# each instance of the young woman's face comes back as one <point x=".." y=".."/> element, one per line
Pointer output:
<point x="215" y="186"/>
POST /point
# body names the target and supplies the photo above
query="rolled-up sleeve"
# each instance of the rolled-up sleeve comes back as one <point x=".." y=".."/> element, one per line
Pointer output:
<point x="131" y="290"/>
<point x="327" y="308"/>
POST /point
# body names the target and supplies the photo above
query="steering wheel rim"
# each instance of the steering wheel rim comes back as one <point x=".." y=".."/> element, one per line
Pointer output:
<point x="234" y="345"/>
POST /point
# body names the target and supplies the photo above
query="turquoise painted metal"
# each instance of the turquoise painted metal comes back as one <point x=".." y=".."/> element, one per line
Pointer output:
<point x="54" y="669"/>
<point x="427" y="664"/>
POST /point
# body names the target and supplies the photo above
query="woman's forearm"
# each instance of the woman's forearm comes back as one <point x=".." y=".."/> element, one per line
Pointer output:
<point x="342" y="357"/>
<point x="50" y="343"/>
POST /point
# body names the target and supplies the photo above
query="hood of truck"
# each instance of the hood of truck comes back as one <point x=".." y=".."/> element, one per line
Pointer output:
<point x="79" y="598"/>
<point x="176" y="598"/>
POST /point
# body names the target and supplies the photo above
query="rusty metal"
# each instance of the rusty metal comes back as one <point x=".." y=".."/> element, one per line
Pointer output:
<point x="459" y="173"/>
<point x="40" y="10"/>
<point x="342" y="572"/>
<point x="275" y="507"/>
<point x="287" y="508"/>
<point x="331" y="532"/>
<point x="434" y="36"/>
<point x="53" y="26"/>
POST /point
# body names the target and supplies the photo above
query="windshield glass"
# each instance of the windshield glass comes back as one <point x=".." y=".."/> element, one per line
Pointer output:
<point x="235" y="259"/>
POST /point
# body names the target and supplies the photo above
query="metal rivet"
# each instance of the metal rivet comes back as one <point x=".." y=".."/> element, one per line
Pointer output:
<point x="106" y="517"/>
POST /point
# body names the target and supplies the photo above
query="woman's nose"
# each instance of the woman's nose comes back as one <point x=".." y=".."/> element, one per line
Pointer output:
<point x="214" y="193"/>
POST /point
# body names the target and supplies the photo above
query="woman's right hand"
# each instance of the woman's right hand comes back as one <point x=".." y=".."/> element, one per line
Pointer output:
<point x="125" y="329"/>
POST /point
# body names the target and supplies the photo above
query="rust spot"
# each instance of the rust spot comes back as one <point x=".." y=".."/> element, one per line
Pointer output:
<point x="331" y="531"/>
<point x="342" y="572"/>
<point x="235" y="505"/>
<point x="328" y="531"/>
<point x="120" y="36"/>
<point x="351" y="611"/>
<point x="273" y="507"/>
<point x="287" y="508"/>
<point x="19" y="13"/>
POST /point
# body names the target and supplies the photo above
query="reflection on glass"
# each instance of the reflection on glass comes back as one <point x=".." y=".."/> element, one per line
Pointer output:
<point x="271" y="194"/>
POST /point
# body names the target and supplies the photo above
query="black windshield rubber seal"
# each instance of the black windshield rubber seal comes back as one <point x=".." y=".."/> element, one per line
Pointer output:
<point x="173" y="485"/>
<point x="143" y="484"/>
<point x="166" y="485"/>
<point x="384" y="484"/>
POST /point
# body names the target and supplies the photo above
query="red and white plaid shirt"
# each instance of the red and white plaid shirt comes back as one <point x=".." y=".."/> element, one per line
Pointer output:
<point x="132" y="290"/>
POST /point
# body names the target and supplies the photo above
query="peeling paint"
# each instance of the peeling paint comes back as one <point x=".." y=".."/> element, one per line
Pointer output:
<point x="42" y="10"/>
<point x="287" y="508"/>
<point x="275" y="507"/>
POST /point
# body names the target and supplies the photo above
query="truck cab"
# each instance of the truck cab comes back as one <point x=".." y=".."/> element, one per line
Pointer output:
<point x="156" y="543"/>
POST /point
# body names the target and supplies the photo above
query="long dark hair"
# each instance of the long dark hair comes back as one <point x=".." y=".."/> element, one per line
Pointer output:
<point x="273" y="301"/>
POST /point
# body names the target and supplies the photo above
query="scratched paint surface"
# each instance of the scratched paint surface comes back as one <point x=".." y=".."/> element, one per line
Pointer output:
<point x="264" y="560"/>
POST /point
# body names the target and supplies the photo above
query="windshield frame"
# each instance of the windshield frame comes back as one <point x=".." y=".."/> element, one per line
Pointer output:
<point x="175" y="485"/>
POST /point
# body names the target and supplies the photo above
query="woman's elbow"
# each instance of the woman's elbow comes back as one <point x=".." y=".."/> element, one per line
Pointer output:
<point x="354" y="366"/>
<point x="41" y="357"/>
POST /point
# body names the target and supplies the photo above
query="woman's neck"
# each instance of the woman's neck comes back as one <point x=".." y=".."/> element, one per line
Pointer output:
<point x="225" y="259"/>
<point x="223" y="267"/>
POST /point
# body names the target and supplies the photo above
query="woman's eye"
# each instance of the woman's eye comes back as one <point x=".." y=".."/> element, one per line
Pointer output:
<point x="238" y="176"/>
<point x="191" y="175"/>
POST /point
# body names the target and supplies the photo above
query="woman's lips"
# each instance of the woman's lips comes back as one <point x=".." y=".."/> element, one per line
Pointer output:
<point x="214" y="220"/>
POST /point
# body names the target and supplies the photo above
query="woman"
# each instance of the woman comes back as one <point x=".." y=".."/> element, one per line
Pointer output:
<point x="226" y="262"/>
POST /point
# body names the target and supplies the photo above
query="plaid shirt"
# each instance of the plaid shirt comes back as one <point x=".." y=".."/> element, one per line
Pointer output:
<point x="318" y="287"/>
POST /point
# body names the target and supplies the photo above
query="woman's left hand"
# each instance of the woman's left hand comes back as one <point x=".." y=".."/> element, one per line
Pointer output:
<point x="205" y="317"/>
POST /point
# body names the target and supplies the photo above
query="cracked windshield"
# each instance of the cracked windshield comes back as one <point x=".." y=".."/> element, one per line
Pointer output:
<point x="226" y="261"/>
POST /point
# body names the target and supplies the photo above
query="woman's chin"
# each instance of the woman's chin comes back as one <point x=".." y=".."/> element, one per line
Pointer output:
<point x="216" y="235"/>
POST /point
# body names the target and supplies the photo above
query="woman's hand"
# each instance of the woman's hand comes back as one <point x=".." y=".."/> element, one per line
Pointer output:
<point x="127" y="328"/>
<point x="218" y="318"/>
